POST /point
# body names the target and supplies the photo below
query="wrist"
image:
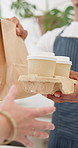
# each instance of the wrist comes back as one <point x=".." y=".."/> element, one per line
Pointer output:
<point x="5" y="128"/>
<point x="13" y="124"/>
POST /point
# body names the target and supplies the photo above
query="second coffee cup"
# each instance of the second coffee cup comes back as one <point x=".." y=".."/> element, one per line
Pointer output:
<point x="63" y="65"/>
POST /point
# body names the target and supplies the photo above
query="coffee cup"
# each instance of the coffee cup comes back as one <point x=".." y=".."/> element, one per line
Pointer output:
<point x="41" y="65"/>
<point x="63" y="65"/>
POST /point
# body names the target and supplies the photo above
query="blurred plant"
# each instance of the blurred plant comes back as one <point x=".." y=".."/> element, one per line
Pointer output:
<point x="23" y="8"/>
<point x="51" y="19"/>
<point x="56" y="18"/>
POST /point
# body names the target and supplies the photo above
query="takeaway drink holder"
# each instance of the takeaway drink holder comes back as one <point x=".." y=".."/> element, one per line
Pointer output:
<point x="41" y="76"/>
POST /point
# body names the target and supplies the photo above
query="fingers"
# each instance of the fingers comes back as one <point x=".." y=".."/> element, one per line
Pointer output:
<point x="11" y="94"/>
<point x="19" y="28"/>
<point x="38" y="134"/>
<point x="57" y="94"/>
<point x="45" y="95"/>
<point x="71" y="97"/>
<point x="56" y="99"/>
<point x="25" y="141"/>
<point x="21" y="32"/>
<point x="43" y="125"/>
<point x="44" y="111"/>
<point x="15" y="20"/>
<point x="52" y="97"/>
<point x="73" y="75"/>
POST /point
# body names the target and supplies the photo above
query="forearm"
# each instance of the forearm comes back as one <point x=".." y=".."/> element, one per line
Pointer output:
<point x="5" y="128"/>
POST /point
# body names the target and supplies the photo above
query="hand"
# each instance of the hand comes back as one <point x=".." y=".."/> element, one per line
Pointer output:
<point x="58" y="97"/>
<point x="19" y="28"/>
<point x="73" y="75"/>
<point x="25" y="118"/>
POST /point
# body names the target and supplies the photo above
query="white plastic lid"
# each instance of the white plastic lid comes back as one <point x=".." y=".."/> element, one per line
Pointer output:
<point x="62" y="58"/>
<point x="45" y="54"/>
<point x="52" y="58"/>
<point x="65" y="62"/>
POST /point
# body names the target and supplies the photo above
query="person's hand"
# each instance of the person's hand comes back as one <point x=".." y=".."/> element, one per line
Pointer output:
<point x="20" y="31"/>
<point x="74" y="75"/>
<point x="58" y="97"/>
<point x="25" y="118"/>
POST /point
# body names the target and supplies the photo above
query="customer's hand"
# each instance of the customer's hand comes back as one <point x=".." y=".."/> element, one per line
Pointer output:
<point x="20" y="31"/>
<point x="25" y="118"/>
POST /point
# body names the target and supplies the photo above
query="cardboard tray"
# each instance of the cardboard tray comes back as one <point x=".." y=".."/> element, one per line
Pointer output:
<point x="47" y="85"/>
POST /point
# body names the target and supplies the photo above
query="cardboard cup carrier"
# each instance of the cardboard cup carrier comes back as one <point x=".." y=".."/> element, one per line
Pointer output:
<point x="41" y="76"/>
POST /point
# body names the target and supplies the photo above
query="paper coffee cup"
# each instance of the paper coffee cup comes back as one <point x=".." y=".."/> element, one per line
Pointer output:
<point x="63" y="65"/>
<point x="42" y="66"/>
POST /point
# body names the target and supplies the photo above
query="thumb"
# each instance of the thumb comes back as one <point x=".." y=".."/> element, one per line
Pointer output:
<point x="11" y="94"/>
<point x="57" y="94"/>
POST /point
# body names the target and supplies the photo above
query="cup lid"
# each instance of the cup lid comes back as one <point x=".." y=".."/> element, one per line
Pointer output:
<point x="65" y="62"/>
<point x="52" y="58"/>
<point x="47" y="54"/>
<point x="62" y="58"/>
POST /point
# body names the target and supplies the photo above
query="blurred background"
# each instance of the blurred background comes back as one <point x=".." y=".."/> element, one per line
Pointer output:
<point x="37" y="15"/>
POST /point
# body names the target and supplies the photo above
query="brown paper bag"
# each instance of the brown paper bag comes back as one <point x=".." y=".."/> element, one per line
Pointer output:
<point x="13" y="61"/>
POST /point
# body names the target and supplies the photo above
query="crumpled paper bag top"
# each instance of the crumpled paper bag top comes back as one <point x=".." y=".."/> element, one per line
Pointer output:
<point x="47" y="85"/>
